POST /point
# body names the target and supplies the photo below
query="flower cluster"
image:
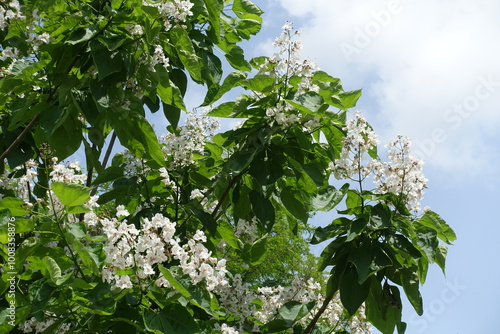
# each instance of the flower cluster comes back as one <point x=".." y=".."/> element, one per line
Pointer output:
<point x="239" y="299"/>
<point x="287" y="62"/>
<point x="402" y="175"/>
<point x="180" y="147"/>
<point x="9" y="10"/>
<point x="283" y="65"/>
<point x="138" y="251"/>
<point x="247" y="230"/>
<point x="33" y="325"/>
<point x="175" y="11"/>
<point x="358" y="141"/>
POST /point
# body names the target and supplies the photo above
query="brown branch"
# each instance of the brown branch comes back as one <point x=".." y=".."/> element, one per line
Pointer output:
<point x="19" y="138"/>
<point x="313" y="322"/>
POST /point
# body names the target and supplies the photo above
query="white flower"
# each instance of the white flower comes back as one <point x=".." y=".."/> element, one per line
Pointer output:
<point x="121" y="211"/>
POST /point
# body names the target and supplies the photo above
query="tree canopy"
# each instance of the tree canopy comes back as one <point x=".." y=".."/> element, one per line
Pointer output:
<point x="171" y="235"/>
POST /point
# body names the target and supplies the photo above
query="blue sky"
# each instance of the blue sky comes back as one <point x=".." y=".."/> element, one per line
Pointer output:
<point x="429" y="70"/>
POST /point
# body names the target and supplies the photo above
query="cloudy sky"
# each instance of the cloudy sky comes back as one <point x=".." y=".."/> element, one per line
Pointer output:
<point x="430" y="70"/>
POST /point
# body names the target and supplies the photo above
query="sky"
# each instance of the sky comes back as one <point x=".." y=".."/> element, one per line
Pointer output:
<point x="429" y="70"/>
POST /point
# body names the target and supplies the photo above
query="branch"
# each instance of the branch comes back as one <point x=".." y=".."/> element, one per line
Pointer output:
<point x="19" y="138"/>
<point x="313" y="322"/>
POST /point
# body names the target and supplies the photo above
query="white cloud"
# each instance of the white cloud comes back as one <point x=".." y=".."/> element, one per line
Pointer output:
<point x="416" y="61"/>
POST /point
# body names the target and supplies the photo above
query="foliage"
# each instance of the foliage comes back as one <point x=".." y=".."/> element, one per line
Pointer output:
<point x="134" y="245"/>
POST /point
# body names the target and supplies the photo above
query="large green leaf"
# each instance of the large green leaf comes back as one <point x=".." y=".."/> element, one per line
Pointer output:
<point x="293" y="311"/>
<point x="263" y="209"/>
<point x="329" y="197"/>
<point x="186" y="52"/>
<point x="71" y="194"/>
<point x="173" y="319"/>
<point x="350" y="98"/>
<point x="411" y="285"/>
<point x="14" y="205"/>
<point x="434" y="221"/>
<point x="173" y="281"/>
<point x="353" y="294"/>
<point x="290" y="200"/>
<point x="88" y="257"/>
<point x="246" y="9"/>
<point x="309" y="103"/>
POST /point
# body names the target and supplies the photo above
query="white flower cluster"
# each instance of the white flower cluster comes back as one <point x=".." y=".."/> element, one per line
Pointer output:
<point x="138" y="251"/>
<point x="175" y="11"/>
<point x="402" y="175"/>
<point x="72" y="173"/>
<point x="9" y="53"/>
<point x="239" y="299"/>
<point x="33" y="325"/>
<point x="287" y="60"/>
<point x="283" y="114"/>
<point x="247" y="231"/>
<point x="207" y="204"/>
<point x="179" y="148"/>
<point x="9" y="10"/>
<point x="283" y="65"/>
<point x="135" y="29"/>
<point x="360" y="138"/>
<point x="225" y="329"/>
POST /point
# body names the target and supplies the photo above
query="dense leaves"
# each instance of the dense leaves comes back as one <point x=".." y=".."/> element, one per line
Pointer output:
<point x="139" y="241"/>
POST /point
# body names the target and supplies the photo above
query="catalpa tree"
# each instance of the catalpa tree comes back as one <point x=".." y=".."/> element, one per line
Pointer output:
<point x="148" y="240"/>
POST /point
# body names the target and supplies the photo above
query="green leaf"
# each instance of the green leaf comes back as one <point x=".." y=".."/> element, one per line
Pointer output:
<point x="89" y="259"/>
<point x="227" y="233"/>
<point x="380" y="216"/>
<point x="337" y="227"/>
<point x="259" y="83"/>
<point x="350" y="98"/>
<point x="206" y="219"/>
<point x="400" y="242"/>
<point x="426" y="241"/>
<point x="293" y="311"/>
<point x="136" y="134"/>
<point x="353" y="294"/>
<point x="309" y="103"/>
<point x="434" y="221"/>
<point x="111" y="173"/>
<point x="233" y="79"/>
<point x="263" y="209"/>
<point x="237" y="60"/>
<point x="107" y="62"/>
<point x="440" y="257"/>
<point x="186" y="52"/>
<point x="361" y="257"/>
<point x="329" y="197"/>
<point x="82" y="34"/>
<point x="258" y="251"/>
<point x="246" y="9"/>
<point x="293" y="204"/>
<point x="378" y="312"/>
<point x="276" y="325"/>
<point x="71" y="194"/>
<point x="174" y="282"/>
<point x="173" y="319"/>
<point x="14" y="205"/>
<point x="55" y="271"/>
<point x="411" y="285"/>
<point x="356" y="228"/>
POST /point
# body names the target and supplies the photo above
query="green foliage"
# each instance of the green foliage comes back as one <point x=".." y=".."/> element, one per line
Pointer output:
<point x="91" y="72"/>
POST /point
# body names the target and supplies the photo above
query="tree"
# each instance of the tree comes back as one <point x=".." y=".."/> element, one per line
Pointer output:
<point x="132" y="244"/>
